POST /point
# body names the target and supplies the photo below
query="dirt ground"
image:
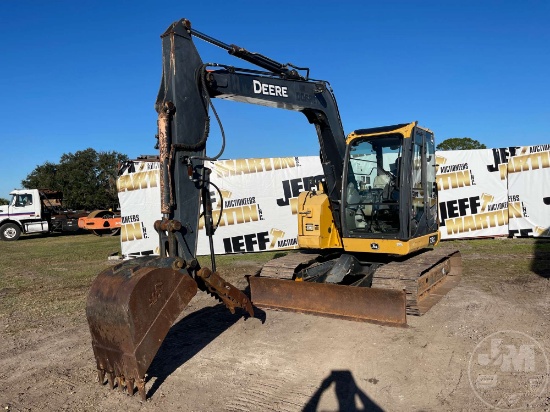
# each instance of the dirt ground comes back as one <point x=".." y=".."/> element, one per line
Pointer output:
<point x="214" y="361"/>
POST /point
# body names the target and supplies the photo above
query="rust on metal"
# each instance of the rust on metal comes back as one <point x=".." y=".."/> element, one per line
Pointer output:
<point x="163" y="127"/>
<point x="381" y="306"/>
<point x="229" y="294"/>
<point x="130" y="310"/>
<point x="167" y="225"/>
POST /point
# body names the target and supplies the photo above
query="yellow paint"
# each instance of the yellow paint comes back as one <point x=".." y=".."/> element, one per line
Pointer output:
<point x="314" y="213"/>
<point x="388" y="246"/>
<point x="406" y="131"/>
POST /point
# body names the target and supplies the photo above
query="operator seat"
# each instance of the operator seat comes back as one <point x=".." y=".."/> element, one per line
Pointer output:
<point x="382" y="182"/>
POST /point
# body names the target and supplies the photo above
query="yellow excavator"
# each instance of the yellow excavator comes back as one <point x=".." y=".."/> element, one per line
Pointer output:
<point x="365" y="231"/>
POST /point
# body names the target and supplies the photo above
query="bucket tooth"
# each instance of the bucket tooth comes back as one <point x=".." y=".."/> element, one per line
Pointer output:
<point x="111" y="379"/>
<point x="101" y="376"/>
<point x="130" y="386"/>
<point x="140" y="383"/>
<point x="120" y="383"/>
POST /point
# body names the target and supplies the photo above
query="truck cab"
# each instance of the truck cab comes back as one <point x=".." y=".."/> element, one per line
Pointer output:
<point x="34" y="211"/>
<point x="24" y="214"/>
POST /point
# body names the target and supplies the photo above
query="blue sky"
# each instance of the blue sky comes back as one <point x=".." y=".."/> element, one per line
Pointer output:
<point x="79" y="74"/>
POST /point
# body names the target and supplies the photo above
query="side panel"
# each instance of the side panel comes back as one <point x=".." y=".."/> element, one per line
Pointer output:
<point x="316" y="228"/>
<point x="390" y="246"/>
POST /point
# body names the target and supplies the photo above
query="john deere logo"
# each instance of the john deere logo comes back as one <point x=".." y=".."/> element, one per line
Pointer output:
<point x="374" y="246"/>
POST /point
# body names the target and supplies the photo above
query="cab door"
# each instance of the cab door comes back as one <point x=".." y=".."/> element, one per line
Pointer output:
<point x="423" y="217"/>
<point x="24" y="206"/>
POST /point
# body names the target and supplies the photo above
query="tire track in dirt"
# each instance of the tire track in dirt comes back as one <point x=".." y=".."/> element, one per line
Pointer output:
<point x="49" y="369"/>
<point x="277" y="393"/>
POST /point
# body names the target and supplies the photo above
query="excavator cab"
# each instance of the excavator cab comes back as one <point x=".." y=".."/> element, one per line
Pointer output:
<point x="389" y="197"/>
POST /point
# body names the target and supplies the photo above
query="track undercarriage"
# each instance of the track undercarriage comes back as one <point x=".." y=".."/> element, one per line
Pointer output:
<point x="380" y="292"/>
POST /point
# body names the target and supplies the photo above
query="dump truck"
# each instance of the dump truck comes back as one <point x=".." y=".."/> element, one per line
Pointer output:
<point x="367" y="232"/>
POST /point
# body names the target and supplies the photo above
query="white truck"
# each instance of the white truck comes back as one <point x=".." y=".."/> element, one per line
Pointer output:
<point x="35" y="211"/>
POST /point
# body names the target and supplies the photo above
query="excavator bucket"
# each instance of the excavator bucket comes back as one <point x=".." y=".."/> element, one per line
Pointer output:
<point x="130" y="309"/>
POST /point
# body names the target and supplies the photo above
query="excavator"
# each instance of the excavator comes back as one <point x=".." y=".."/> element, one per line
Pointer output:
<point x="366" y="231"/>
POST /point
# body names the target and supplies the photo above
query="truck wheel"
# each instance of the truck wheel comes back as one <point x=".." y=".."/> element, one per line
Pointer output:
<point x="10" y="231"/>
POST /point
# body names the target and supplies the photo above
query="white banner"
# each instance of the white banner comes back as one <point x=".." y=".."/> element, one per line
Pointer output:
<point x="139" y="196"/>
<point x="472" y="195"/>
<point x="259" y="206"/>
<point x="528" y="170"/>
<point x="256" y="210"/>
<point x="481" y="193"/>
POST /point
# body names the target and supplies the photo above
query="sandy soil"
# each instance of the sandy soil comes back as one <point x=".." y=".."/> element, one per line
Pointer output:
<point x="214" y="361"/>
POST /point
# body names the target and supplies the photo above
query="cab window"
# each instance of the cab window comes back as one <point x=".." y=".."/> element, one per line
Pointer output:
<point x="23" y="200"/>
<point x="372" y="186"/>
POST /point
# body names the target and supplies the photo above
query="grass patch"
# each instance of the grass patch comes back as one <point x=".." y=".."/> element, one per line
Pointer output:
<point x="488" y="262"/>
<point x="45" y="277"/>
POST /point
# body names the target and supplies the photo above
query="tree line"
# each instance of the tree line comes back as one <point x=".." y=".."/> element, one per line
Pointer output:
<point x="87" y="178"/>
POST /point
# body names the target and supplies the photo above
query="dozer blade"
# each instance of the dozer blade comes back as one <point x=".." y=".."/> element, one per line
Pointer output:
<point x="130" y="310"/>
<point x="382" y="306"/>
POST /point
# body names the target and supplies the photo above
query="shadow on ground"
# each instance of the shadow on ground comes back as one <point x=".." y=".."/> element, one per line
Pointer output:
<point x="349" y="396"/>
<point x="541" y="260"/>
<point x="189" y="336"/>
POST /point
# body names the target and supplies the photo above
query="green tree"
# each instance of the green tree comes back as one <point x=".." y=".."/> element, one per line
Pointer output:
<point x="4" y="201"/>
<point x="87" y="178"/>
<point x="43" y="177"/>
<point x="460" y="143"/>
